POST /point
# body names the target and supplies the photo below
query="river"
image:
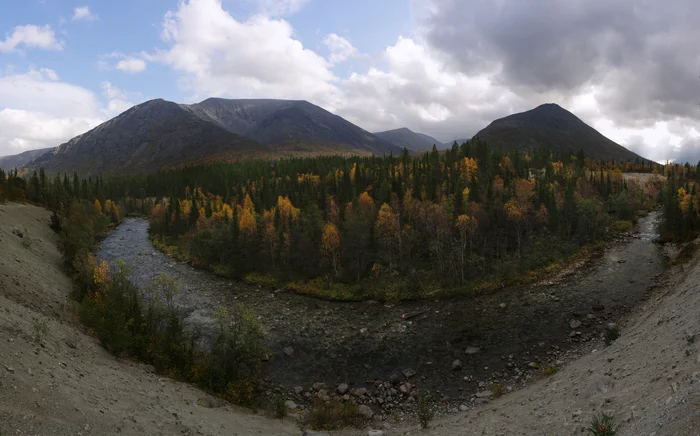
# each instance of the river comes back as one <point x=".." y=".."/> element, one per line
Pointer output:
<point x="358" y="342"/>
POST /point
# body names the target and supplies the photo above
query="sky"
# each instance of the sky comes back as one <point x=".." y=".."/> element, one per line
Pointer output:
<point x="447" y="68"/>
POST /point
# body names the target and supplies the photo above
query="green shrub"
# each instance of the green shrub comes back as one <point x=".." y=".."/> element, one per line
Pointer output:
<point x="279" y="409"/>
<point x="603" y="425"/>
<point x="234" y="361"/>
<point x="425" y="408"/>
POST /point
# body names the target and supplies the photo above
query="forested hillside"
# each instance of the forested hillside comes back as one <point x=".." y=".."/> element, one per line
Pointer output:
<point x="375" y="227"/>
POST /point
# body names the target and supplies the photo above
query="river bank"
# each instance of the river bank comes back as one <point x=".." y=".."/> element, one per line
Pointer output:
<point x="502" y="338"/>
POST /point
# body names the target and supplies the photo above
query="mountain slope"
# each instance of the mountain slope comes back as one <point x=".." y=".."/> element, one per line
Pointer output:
<point x="8" y="163"/>
<point x="153" y="135"/>
<point x="413" y="141"/>
<point x="290" y="125"/>
<point x="555" y="128"/>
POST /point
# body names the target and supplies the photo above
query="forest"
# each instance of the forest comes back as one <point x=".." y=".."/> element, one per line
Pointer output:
<point x="466" y="219"/>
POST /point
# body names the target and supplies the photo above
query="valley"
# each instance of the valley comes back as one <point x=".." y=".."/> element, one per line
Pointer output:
<point x="498" y="338"/>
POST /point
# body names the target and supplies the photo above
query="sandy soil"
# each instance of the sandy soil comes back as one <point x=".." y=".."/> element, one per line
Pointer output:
<point x="55" y="380"/>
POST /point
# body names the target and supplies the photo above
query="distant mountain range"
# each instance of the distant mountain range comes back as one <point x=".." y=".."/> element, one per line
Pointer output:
<point x="161" y="134"/>
<point x="8" y="163"/>
<point x="411" y="140"/>
<point x="553" y="127"/>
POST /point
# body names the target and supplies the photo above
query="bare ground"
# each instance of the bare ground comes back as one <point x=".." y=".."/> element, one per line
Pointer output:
<point x="56" y="380"/>
<point x="649" y="379"/>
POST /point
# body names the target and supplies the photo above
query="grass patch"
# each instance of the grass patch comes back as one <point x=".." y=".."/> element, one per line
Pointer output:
<point x="549" y="370"/>
<point x="497" y="389"/>
<point x="622" y="226"/>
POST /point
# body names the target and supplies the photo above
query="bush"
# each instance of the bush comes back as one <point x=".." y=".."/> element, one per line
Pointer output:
<point x="425" y="409"/>
<point x="236" y="355"/>
<point x="279" y="409"/>
<point x="331" y="414"/>
<point x="603" y="425"/>
<point x="549" y="370"/>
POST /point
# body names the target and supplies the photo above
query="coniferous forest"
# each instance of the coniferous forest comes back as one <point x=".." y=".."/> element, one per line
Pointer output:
<point x="466" y="219"/>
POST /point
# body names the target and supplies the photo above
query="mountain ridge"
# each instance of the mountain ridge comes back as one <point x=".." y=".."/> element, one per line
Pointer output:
<point x="551" y="126"/>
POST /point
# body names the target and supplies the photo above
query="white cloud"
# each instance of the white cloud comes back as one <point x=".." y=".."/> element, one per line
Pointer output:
<point x="37" y="110"/>
<point x="278" y="8"/>
<point x="131" y="65"/>
<point x="341" y="49"/>
<point x="82" y="13"/>
<point x="126" y="63"/>
<point x="31" y="36"/>
<point x="220" y="56"/>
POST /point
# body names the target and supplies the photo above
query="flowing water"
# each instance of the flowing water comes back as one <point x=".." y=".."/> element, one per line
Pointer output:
<point x="357" y="342"/>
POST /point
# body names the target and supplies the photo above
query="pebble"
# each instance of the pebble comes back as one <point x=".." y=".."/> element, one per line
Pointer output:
<point x="289" y="351"/>
<point x="463" y="408"/>
<point x="375" y="433"/>
<point x="408" y="373"/>
<point x="574" y="324"/>
<point x="456" y="365"/>
<point x="472" y="350"/>
<point x="343" y="388"/>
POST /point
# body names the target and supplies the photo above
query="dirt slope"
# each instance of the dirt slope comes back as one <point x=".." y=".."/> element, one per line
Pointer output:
<point x="59" y="381"/>
<point x="649" y="378"/>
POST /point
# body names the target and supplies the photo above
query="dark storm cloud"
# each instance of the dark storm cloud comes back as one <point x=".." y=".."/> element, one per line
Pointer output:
<point x="642" y="57"/>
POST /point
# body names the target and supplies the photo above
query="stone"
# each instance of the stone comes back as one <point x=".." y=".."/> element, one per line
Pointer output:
<point x="298" y="390"/>
<point x="365" y="411"/>
<point x="289" y="351"/>
<point x="611" y="326"/>
<point x="289" y="404"/>
<point x="343" y="388"/>
<point x="358" y="392"/>
<point x="472" y="350"/>
<point x="394" y="378"/>
<point x="456" y="365"/>
<point x="502" y="305"/>
<point x="533" y="365"/>
<point x="408" y="373"/>
<point x="314" y="433"/>
<point x="574" y="324"/>
<point x="463" y="408"/>
<point x="405" y="388"/>
<point x="484" y="394"/>
<point x="375" y="433"/>
<point x="318" y="386"/>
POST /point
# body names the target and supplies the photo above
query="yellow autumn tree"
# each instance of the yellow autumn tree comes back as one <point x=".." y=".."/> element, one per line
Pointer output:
<point x="98" y="207"/>
<point x="330" y="244"/>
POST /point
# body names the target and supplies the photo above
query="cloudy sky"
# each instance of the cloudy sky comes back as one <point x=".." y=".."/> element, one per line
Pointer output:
<point x="630" y="68"/>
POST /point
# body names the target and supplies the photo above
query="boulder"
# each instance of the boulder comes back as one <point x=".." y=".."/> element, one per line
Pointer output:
<point x="574" y="324"/>
<point x="457" y="365"/>
<point x="343" y="388"/>
<point x="365" y="411"/>
<point x="358" y="392"/>
<point x="408" y="373"/>
<point x="289" y="404"/>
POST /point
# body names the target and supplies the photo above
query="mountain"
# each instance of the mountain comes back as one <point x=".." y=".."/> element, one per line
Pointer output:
<point x="411" y="140"/>
<point x="8" y="163"/>
<point x="290" y="126"/>
<point x="153" y="135"/>
<point x="553" y="127"/>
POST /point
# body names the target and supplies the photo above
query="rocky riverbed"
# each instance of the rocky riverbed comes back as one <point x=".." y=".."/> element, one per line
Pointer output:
<point x="458" y="348"/>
